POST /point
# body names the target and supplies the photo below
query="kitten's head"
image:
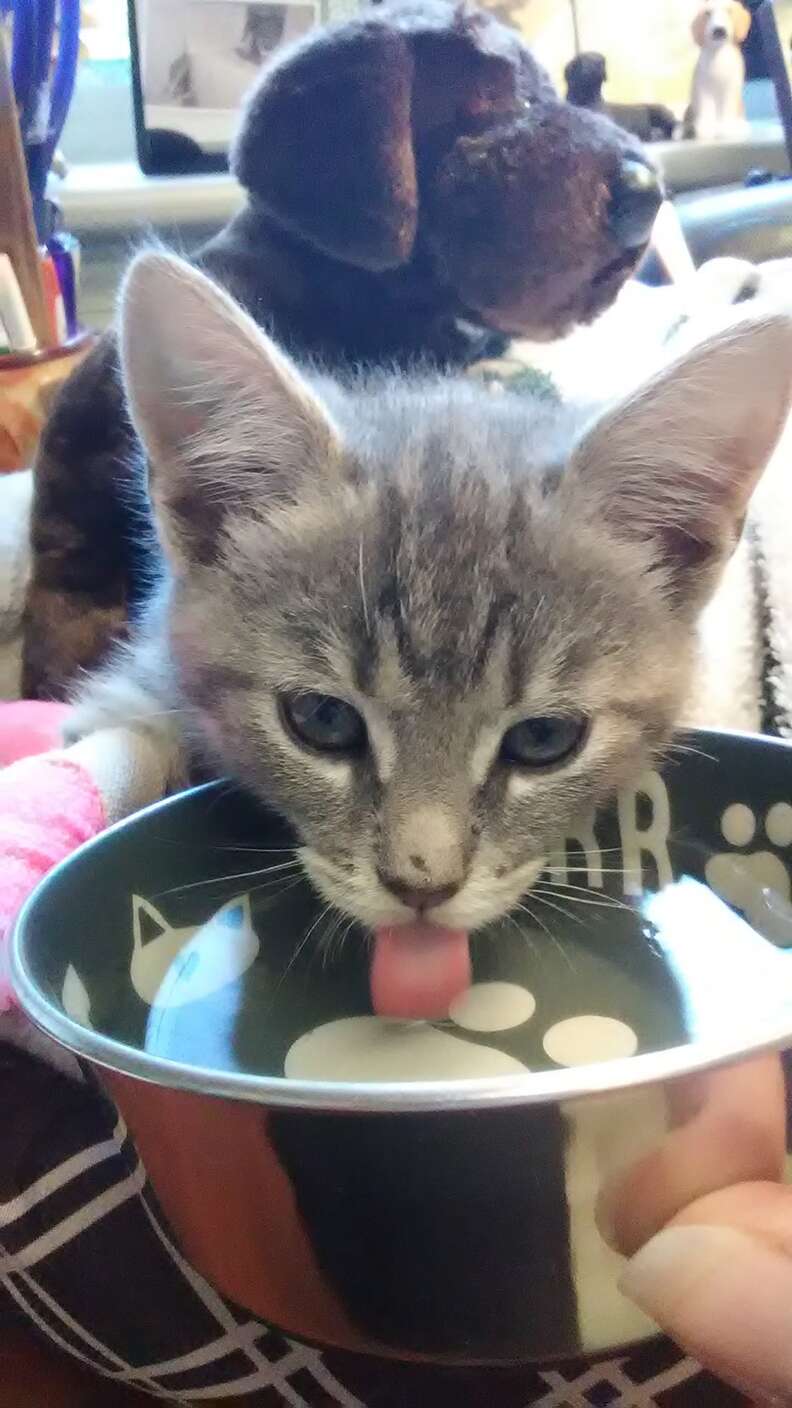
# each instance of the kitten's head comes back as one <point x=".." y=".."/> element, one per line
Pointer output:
<point x="433" y="625"/>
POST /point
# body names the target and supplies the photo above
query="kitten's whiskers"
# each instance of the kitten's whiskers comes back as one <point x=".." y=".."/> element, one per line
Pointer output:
<point x="264" y="870"/>
<point x="555" y="941"/>
<point x="584" y="894"/>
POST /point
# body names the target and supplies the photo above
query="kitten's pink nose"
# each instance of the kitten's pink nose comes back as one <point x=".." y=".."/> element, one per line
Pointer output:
<point x="418" y="897"/>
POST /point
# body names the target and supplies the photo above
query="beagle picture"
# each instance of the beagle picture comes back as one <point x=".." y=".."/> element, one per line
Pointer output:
<point x="716" y="109"/>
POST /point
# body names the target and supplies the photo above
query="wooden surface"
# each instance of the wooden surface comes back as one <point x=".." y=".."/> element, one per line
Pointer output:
<point x="17" y="231"/>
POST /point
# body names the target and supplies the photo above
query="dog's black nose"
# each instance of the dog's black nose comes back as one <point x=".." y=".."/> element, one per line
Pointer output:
<point x="636" y="198"/>
<point x="718" y="32"/>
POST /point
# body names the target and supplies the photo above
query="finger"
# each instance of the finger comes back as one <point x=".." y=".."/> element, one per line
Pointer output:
<point x="761" y="1210"/>
<point x="730" y="1129"/>
<point x="726" y="1295"/>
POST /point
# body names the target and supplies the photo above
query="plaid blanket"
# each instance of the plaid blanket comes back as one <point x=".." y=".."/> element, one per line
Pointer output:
<point x="87" y="1260"/>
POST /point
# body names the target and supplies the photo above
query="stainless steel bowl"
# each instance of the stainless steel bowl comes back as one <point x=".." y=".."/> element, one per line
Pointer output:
<point x="456" y="1221"/>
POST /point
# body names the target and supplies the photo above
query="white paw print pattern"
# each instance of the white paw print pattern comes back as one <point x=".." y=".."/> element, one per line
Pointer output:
<point x="756" y="882"/>
<point x="382" y="1049"/>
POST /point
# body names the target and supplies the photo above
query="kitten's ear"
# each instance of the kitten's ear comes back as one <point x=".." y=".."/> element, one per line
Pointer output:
<point x="225" y="418"/>
<point x="675" y="465"/>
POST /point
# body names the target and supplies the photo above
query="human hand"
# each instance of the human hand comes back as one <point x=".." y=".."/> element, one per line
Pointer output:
<point x="708" y="1226"/>
<point x="718" y="1280"/>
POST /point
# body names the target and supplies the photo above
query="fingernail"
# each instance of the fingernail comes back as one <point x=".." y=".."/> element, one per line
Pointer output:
<point x="669" y="1267"/>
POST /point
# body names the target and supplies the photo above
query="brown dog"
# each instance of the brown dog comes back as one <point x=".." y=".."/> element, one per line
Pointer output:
<point x="413" y="184"/>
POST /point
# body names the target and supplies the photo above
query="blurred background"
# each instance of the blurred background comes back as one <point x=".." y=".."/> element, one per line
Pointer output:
<point x="107" y="200"/>
<point x="647" y="43"/>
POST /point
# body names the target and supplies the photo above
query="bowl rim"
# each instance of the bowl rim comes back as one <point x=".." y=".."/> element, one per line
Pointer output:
<point x="534" y="1088"/>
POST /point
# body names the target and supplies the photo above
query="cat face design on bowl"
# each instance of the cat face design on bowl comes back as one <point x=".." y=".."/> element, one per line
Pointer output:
<point x="173" y="966"/>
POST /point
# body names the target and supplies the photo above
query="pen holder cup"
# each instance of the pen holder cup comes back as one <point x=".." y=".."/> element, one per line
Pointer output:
<point x="28" y="384"/>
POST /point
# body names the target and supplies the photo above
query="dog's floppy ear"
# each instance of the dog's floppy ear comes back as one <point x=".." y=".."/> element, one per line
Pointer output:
<point x="742" y="21"/>
<point x="326" y="145"/>
<point x="699" y="28"/>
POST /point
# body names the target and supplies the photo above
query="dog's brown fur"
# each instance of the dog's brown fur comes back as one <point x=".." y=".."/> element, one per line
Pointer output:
<point x="741" y="20"/>
<point x="413" y="184"/>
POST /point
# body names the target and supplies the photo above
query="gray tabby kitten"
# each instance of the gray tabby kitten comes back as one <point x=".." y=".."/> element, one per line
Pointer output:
<point x="432" y="625"/>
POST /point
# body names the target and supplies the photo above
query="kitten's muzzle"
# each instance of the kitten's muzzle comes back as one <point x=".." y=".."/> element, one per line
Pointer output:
<point x="419" y="898"/>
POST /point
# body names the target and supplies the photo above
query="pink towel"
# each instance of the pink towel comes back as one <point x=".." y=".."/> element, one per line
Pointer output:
<point x="49" y="805"/>
<point x="29" y="726"/>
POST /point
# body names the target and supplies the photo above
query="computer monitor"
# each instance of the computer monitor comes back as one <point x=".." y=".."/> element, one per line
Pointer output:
<point x="192" y="63"/>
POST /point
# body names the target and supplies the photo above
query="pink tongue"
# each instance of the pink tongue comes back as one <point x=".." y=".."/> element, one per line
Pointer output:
<point x="418" y="969"/>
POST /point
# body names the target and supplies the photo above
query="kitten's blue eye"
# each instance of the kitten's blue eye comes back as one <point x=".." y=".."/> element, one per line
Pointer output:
<point x="543" y="741"/>
<point x="322" y="722"/>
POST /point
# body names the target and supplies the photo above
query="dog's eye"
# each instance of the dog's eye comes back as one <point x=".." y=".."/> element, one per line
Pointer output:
<point x="543" y="742"/>
<point x="323" y="723"/>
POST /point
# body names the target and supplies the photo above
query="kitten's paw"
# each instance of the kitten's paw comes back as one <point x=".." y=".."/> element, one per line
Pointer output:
<point x="117" y="721"/>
